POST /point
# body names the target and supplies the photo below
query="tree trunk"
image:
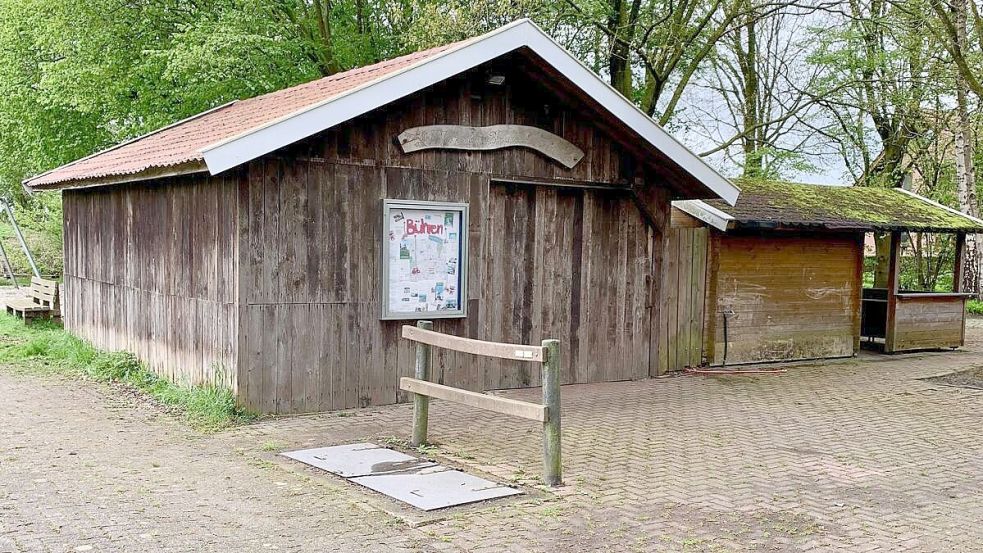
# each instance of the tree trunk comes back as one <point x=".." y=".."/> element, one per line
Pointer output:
<point x="324" y="42"/>
<point x="621" y="25"/>
<point x="887" y="172"/>
<point x="747" y="58"/>
<point x="965" y="170"/>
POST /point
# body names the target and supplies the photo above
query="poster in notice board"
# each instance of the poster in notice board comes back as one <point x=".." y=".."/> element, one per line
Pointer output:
<point x="424" y="261"/>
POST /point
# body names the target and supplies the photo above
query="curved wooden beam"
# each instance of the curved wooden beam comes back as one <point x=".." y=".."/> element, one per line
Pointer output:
<point x="494" y="137"/>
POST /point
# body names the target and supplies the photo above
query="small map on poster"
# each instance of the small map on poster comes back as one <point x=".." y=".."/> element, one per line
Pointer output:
<point x="424" y="260"/>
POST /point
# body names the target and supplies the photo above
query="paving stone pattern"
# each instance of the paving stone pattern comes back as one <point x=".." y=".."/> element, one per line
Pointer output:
<point x="851" y="455"/>
<point x="82" y="469"/>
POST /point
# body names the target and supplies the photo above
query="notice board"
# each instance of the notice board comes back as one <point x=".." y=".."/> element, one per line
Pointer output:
<point x="424" y="259"/>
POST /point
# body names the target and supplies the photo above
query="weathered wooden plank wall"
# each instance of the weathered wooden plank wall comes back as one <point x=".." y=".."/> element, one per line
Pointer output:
<point x="151" y="268"/>
<point x="684" y="275"/>
<point x="791" y="297"/>
<point x="576" y="263"/>
<point x="570" y="264"/>
<point x="929" y="321"/>
<point x="468" y="100"/>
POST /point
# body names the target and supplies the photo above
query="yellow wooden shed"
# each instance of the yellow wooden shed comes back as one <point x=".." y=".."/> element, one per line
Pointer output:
<point x="779" y="276"/>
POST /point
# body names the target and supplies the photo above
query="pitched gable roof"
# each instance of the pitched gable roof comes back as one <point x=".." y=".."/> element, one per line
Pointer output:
<point x="181" y="144"/>
<point x="233" y="134"/>
<point x="771" y="204"/>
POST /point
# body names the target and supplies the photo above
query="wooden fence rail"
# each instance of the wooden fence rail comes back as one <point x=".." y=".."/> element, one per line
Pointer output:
<point x="548" y="413"/>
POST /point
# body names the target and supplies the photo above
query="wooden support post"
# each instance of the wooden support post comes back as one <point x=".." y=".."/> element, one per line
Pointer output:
<point x="857" y="293"/>
<point x="957" y="271"/>
<point x="893" y="276"/>
<point x="552" y="462"/>
<point x="421" y="403"/>
<point x="957" y="279"/>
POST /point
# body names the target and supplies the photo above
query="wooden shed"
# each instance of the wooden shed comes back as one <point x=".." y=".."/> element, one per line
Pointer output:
<point x="277" y="244"/>
<point x="780" y="276"/>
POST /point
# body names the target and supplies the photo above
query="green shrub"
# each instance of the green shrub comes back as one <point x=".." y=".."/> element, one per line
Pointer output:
<point x="119" y="365"/>
<point x="975" y="307"/>
<point x="213" y="407"/>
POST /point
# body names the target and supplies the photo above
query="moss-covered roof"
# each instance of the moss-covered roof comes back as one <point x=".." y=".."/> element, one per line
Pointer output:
<point x="772" y="204"/>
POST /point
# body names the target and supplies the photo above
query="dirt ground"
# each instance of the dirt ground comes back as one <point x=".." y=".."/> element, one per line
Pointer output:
<point x="865" y="454"/>
<point x="969" y="378"/>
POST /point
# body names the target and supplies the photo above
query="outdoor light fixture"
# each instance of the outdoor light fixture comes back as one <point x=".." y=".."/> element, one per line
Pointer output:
<point x="496" y="80"/>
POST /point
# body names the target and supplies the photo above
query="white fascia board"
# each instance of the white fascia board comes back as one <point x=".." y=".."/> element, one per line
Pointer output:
<point x="704" y="212"/>
<point x="630" y="115"/>
<point x="388" y="88"/>
<point x="941" y="206"/>
<point x="335" y="110"/>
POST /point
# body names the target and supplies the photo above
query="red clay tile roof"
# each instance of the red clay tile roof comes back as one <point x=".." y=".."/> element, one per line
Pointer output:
<point x="181" y="143"/>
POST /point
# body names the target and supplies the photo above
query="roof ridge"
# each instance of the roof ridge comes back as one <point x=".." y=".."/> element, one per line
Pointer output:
<point x="940" y="205"/>
<point x="759" y="180"/>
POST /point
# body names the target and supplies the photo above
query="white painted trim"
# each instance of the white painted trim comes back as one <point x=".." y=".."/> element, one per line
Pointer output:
<point x="974" y="220"/>
<point x="704" y="212"/>
<point x="323" y="115"/>
<point x="262" y="140"/>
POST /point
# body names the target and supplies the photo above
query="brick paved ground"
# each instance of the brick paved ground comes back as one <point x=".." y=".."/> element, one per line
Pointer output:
<point x="854" y="455"/>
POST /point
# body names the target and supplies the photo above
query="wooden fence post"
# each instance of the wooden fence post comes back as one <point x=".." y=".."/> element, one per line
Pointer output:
<point x="552" y="463"/>
<point x="421" y="403"/>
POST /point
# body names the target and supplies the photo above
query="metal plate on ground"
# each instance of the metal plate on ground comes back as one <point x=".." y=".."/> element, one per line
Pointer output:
<point x="421" y="483"/>
<point x="358" y="459"/>
<point x="435" y="487"/>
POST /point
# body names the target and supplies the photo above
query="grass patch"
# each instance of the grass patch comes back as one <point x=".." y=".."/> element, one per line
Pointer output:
<point x="975" y="307"/>
<point x="43" y="347"/>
